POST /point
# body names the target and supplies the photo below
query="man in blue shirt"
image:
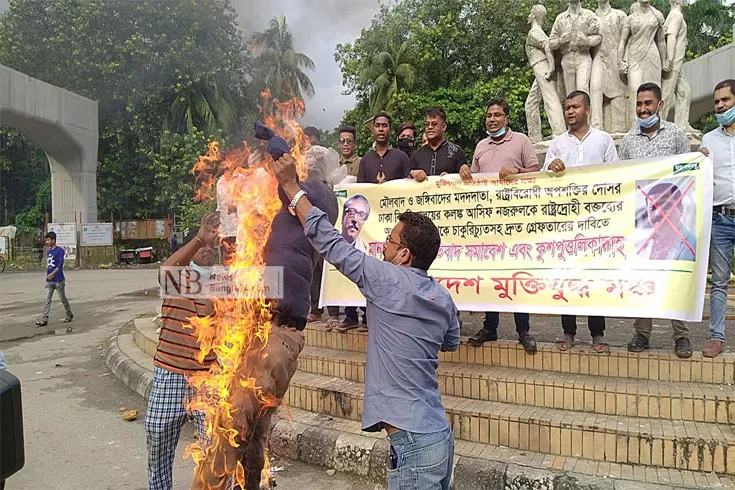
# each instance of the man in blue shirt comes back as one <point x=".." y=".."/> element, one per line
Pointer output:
<point x="55" y="280"/>
<point x="411" y="318"/>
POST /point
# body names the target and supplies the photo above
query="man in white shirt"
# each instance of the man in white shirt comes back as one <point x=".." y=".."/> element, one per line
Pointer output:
<point x="580" y="145"/>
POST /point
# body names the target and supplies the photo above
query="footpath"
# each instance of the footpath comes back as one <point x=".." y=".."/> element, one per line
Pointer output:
<point x="554" y="420"/>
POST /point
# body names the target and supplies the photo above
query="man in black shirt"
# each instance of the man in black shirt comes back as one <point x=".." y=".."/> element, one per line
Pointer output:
<point x="383" y="163"/>
<point x="439" y="156"/>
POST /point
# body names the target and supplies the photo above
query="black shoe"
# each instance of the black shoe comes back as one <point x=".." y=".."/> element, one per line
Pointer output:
<point x="528" y="342"/>
<point x="482" y="336"/>
<point x="638" y="344"/>
<point x="683" y="348"/>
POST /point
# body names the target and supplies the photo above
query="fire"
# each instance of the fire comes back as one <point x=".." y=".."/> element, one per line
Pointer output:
<point x="239" y="329"/>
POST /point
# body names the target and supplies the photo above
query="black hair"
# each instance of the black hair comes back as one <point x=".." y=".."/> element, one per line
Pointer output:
<point x="312" y="131"/>
<point x="650" y="87"/>
<point x="501" y="102"/>
<point x="729" y="83"/>
<point x="51" y="235"/>
<point x="436" y="112"/>
<point x="383" y="114"/>
<point x="348" y="129"/>
<point x="580" y="93"/>
<point x="421" y="237"/>
<point x="407" y="125"/>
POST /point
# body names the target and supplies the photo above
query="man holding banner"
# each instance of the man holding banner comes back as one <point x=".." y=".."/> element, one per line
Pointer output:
<point x="412" y="316"/>
<point x="580" y="145"/>
<point x="720" y="143"/>
<point x="652" y="138"/>
<point x="507" y="153"/>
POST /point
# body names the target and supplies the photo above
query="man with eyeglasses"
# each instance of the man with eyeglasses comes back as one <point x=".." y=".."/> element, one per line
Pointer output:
<point x="439" y="156"/>
<point x="355" y="212"/>
<point x="347" y="150"/>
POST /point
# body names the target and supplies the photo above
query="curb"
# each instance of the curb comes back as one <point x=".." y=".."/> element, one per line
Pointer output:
<point x="368" y="456"/>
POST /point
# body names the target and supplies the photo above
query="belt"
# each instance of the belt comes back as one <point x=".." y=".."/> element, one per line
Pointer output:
<point x="723" y="210"/>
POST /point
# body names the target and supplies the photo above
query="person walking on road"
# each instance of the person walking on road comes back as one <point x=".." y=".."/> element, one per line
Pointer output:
<point x="55" y="280"/>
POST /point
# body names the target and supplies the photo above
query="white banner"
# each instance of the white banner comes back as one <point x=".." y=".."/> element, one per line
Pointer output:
<point x="66" y="238"/>
<point x="96" y="234"/>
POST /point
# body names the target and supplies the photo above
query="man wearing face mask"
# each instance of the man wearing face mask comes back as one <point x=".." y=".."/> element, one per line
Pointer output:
<point x="719" y="144"/>
<point x="412" y="317"/>
<point x="504" y="151"/>
<point x="439" y="156"/>
<point x="176" y="358"/>
<point x="653" y="137"/>
<point x="406" y="137"/>
<point x="507" y="153"/>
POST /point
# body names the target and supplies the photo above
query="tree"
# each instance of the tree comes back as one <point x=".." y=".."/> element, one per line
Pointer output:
<point x="279" y="67"/>
<point x="159" y="69"/>
<point x="390" y="72"/>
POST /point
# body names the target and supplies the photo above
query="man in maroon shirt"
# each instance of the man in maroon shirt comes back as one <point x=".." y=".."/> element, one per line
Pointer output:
<point x="384" y="163"/>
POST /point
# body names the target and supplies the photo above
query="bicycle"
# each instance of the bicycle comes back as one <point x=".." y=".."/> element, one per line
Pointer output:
<point x="2" y="264"/>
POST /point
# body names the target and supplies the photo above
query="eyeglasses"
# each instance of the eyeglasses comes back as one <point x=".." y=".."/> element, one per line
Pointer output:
<point x="361" y="215"/>
<point x="388" y="239"/>
<point x="432" y="124"/>
<point x="346" y="141"/>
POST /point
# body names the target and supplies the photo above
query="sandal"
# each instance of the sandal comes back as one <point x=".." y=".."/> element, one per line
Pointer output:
<point x="599" y="346"/>
<point x="41" y="323"/>
<point x="313" y="317"/>
<point x="67" y="319"/>
<point x="332" y="323"/>
<point x="567" y="343"/>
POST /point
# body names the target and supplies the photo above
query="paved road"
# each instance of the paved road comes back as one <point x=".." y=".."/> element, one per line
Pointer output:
<point x="75" y="436"/>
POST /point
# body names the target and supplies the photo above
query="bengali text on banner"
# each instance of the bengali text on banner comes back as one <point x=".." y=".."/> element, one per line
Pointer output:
<point x="629" y="239"/>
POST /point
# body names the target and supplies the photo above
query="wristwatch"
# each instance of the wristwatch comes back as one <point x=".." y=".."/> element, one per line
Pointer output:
<point x="295" y="201"/>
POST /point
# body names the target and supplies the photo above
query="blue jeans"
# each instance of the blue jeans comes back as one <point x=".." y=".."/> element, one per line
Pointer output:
<point x="720" y="259"/>
<point x="423" y="461"/>
<point x="492" y="320"/>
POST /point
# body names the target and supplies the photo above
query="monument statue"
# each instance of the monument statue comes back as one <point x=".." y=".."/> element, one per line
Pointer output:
<point x="642" y="50"/>
<point x="541" y="58"/>
<point x="573" y="34"/>
<point x="675" y="89"/>
<point x="607" y="87"/>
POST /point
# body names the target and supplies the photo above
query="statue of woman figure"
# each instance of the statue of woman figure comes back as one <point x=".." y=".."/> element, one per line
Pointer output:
<point x="541" y="59"/>
<point x="642" y="49"/>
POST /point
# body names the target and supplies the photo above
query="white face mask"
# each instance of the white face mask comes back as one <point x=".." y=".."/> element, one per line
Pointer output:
<point x="398" y="256"/>
<point x="202" y="271"/>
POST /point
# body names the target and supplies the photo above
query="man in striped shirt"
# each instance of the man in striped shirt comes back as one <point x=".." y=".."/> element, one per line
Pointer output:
<point x="176" y="360"/>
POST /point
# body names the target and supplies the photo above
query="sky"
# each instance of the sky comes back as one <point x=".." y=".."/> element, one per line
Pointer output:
<point x="317" y="27"/>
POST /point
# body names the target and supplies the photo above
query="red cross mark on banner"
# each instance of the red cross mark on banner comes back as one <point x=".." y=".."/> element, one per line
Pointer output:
<point x="665" y="215"/>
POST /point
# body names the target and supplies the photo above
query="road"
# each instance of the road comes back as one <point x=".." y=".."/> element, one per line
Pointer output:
<point x="75" y="438"/>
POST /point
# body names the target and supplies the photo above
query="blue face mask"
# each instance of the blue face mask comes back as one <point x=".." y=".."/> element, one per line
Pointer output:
<point x="497" y="134"/>
<point x="203" y="271"/>
<point x="648" y="122"/>
<point x="727" y="117"/>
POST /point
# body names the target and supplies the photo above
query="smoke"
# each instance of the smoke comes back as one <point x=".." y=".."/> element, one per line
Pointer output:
<point x="317" y="27"/>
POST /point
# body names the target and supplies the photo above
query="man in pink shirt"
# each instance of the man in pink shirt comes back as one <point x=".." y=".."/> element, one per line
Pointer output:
<point x="507" y="153"/>
<point x="504" y="151"/>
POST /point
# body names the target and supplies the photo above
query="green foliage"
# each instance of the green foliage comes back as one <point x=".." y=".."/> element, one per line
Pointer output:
<point x="167" y="75"/>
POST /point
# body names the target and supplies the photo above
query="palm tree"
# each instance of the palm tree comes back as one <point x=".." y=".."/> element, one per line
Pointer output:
<point x="279" y="67"/>
<point x="200" y="104"/>
<point x="390" y="72"/>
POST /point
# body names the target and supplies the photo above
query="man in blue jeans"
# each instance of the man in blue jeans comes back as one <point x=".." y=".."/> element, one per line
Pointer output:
<point x="411" y="318"/>
<point x="719" y="144"/>
<point x="55" y="280"/>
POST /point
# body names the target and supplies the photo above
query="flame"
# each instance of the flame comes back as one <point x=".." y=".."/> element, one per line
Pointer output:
<point x="239" y="330"/>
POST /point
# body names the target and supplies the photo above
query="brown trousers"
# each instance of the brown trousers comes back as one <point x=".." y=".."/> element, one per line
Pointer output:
<point x="272" y="368"/>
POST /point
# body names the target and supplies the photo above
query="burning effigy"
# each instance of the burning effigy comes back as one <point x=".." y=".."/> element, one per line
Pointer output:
<point x="255" y="357"/>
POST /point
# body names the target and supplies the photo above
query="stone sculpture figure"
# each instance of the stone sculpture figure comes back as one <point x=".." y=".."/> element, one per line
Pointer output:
<point x="607" y="87"/>
<point x="674" y="86"/>
<point x="642" y="50"/>
<point x="541" y="58"/>
<point x="574" y="33"/>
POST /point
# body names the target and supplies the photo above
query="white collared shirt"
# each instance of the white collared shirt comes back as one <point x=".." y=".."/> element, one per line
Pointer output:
<point x="595" y="147"/>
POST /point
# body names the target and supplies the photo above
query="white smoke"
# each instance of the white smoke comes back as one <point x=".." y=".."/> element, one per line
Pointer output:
<point x="317" y="27"/>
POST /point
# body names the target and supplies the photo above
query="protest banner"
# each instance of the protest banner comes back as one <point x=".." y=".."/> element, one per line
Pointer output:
<point x="629" y="239"/>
